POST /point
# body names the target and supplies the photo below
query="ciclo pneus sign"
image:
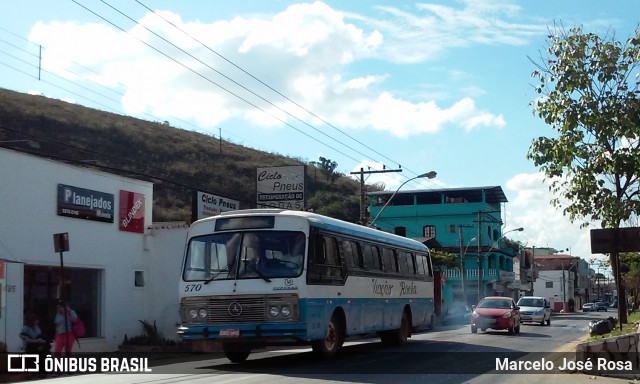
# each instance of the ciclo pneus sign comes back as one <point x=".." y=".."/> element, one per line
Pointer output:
<point x="85" y="204"/>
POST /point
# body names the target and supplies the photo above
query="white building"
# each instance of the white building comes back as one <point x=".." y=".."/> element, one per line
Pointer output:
<point x="549" y="285"/>
<point x="119" y="269"/>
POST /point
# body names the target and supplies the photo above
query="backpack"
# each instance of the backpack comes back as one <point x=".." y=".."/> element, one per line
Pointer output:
<point x="78" y="328"/>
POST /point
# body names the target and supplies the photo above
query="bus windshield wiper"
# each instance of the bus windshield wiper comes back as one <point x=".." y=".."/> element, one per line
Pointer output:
<point x="223" y="270"/>
<point x="254" y="269"/>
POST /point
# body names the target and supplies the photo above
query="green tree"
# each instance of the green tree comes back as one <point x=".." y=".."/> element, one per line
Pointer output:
<point x="336" y="205"/>
<point x="589" y="95"/>
<point x="328" y="167"/>
<point x="630" y="270"/>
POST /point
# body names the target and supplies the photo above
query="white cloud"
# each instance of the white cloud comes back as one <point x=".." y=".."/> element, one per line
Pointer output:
<point x="303" y="51"/>
<point x="544" y="225"/>
<point x="434" y="29"/>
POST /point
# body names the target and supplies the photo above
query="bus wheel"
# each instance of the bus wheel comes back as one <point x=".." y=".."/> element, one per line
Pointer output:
<point x="236" y="353"/>
<point x="397" y="336"/>
<point x="329" y="346"/>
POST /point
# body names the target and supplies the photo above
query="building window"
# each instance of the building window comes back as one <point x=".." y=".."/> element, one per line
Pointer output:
<point x="452" y="228"/>
<point x="548" y="284"/>
<point x="429" y="231"/>
<point x="80" y="288"/>
<point x="139" y="278"/>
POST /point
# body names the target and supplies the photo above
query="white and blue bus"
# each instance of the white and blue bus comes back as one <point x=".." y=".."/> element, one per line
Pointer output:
<point x="263" y="277"/>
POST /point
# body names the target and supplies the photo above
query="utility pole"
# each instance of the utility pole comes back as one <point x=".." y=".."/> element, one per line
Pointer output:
<point x="480" y="255"/>
<point x="480" y="268"/>
<point x="564" y="289"/>
<point x="362" y="172"/>
<point x="464" y="297"/>
<point x="462" y="267"/>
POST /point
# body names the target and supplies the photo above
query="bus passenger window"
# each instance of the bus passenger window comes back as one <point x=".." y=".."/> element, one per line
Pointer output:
<point x="389" y="260"/>
<point x="331" y="258"/>
<point x="371" y="257"/>
<point x="420" y="260"/>
<point x="403" y="263"/>
<point x="350" y="254"/>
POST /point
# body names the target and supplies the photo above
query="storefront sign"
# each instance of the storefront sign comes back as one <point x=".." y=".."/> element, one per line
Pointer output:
<point x="131" y="212"/>
<point x="281" y="187"/>
<point x="85" y="204"/>
<point x="206" y="205"/>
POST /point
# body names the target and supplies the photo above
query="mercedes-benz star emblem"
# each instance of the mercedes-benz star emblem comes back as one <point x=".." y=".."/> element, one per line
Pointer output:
<point x="235" y="309"/>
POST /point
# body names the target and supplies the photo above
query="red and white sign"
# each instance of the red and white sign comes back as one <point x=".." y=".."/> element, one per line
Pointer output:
<point x="131" y="211"/>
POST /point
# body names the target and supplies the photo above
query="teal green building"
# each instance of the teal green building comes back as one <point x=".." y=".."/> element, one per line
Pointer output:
<point x="462" y="221"/>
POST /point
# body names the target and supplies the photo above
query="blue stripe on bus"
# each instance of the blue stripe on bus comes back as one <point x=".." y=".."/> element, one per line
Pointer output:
<point x="364" y="315"/>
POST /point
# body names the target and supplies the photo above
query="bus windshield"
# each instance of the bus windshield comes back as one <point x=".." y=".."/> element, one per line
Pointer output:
<point x="245" y="255"/>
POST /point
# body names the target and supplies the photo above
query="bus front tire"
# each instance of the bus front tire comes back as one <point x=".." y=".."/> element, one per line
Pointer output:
<point x="330" y="345"/>
<point x="236" y="353"/>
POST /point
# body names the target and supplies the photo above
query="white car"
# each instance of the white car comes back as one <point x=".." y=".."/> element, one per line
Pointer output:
<point x="535" y="309"/>
<point x="588" y="307"/>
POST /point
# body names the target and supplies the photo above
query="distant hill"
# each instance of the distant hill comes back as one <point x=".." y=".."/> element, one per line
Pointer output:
<point x="177" y="161"/>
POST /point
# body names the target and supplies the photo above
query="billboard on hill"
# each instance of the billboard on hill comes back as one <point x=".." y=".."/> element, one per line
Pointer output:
<point x="280" y="187"/>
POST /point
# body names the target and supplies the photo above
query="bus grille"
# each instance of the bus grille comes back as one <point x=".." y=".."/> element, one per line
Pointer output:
<point x="218" y="308"/>
<point x="253" y="309"/>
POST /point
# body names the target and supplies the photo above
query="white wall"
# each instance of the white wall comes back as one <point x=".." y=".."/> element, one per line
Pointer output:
<point x="165" y="250"/>
<point x="28" y="191"/>
<point x="554" y="294"/>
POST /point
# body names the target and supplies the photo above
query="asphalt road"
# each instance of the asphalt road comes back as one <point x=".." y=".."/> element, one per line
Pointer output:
<point x="449" y="354"/>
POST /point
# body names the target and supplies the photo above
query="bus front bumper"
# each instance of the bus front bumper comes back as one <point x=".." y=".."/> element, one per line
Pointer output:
<point x="245" y="332"/>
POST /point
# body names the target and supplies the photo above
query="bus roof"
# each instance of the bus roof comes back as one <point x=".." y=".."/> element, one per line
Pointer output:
<point x="330" y="223"/>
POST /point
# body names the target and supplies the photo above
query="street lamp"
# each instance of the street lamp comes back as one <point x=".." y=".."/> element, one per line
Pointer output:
<point x="428" y="175"/>
<point x="480" y="257"/>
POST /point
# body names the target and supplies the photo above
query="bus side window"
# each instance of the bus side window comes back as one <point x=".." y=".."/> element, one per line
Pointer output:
<point x="389" y="260"/>
<point x="370" y="257"/>
<point x="331" y="258"/>
<point x="350" y="254"/>
<point x="410" y="262"/>
<point x="403" y="263"/>
<point x="430" y="268"/>
<point x="420" y="268"/>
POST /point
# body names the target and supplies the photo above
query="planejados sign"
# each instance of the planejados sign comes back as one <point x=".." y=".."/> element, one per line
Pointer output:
<point x="281" y="187"/>
<point x="131" y="211"/>
<point x="85" y="204"/>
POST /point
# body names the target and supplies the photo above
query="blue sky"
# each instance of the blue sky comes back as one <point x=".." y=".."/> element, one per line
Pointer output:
<point x="441" y="86"/>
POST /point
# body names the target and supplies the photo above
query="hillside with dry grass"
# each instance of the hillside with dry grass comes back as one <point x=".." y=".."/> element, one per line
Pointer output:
<point x="177" y="161"/>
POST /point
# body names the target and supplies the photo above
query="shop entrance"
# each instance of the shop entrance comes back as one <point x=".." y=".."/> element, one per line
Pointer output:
<point x="81" y="290"/>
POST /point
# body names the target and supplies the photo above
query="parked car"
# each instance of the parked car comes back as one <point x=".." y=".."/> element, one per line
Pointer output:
<point x="496" y="312"/>
<point x="588" y="307"/>
<point x="601" y="306"/>
<point x="535" y="309"/>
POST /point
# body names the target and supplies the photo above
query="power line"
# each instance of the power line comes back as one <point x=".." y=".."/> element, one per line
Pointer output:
<point x="211" y="81"/>
<point x="266" y="85"/>
<point x="197" y="73"/>
<point x="152" y="117"/>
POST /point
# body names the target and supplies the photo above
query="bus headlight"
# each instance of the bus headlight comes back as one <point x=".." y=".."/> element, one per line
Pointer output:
<point x="193" y="313"/>
<point x="203" y="313"/>
<point x="282" y="308"/>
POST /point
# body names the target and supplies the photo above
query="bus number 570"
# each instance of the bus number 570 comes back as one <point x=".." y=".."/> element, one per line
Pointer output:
<point x="193" y="287"/>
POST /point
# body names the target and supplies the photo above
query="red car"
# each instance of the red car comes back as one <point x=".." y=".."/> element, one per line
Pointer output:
<point x="496" y="312"/>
